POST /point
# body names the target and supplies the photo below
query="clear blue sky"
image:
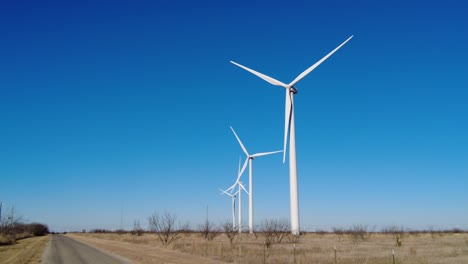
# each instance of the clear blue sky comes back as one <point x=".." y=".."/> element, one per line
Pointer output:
<point x="115" y="108"/>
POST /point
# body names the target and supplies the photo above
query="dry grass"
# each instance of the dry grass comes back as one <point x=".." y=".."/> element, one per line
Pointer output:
<point x="316" y="248"/>
<point x="143" y="249"/>
<point x="27" y="250"/>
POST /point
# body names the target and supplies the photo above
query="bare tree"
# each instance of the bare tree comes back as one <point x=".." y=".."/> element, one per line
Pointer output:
<point x="12" y="226"/>
<point x="274" y="230"/>
<point x="37" y="229"/>
<point x="339" y="231"/>
<point x="229" y="230"/>
<point x="209" y="230"/>
<point x="359" y="233"/>
<point x="397" y="233"/>
<point x="137" y="230"/>
<point x="165" y="227"/>
<point x="294" y="238"/>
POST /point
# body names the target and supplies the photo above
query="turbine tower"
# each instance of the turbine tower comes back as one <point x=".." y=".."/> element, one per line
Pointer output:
<point x="250" y="159"/>
<point x="233" y="202"/>
<point x="240" y="187"/>
<point x="233" y="196"/>
<point x="289" y="127"/>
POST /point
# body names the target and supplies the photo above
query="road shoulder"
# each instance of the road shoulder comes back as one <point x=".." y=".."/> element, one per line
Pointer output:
<point x="28" y="250"/>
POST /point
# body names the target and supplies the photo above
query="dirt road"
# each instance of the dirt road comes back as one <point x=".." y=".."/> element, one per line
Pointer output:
<point x="62" y="249"/>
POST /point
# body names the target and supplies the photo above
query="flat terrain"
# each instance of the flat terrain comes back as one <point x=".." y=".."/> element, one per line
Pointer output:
<point x="27" y="250"/>
<point x="144" y="250"/>
<point x="62" y="249"/>
<point x="446" y="248"/>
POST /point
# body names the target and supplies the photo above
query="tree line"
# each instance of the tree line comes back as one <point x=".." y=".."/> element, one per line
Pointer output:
<point x="12" y="228"/>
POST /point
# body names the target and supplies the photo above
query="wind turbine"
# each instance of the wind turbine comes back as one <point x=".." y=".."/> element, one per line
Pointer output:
<point x="289" y="126"/>
<point x="250" y="159"/>
<point x="233" y="201"/>
<point x="233" y="195"/>
<point x="240" y="187"/>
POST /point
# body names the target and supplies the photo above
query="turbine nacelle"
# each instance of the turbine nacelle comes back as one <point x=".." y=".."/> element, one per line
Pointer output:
<point x="293" y="89"/>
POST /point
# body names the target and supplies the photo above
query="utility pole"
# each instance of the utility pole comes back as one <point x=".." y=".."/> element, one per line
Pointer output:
<point x="121" y="216"/>
<point x="207" y="215"/>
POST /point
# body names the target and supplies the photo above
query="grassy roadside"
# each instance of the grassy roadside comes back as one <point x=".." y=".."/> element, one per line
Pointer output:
<point x="27" y="250"/>
<point x="417" y="248"/>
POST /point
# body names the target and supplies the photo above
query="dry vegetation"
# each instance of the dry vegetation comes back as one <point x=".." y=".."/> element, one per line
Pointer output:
<point x="427" y="247"/>
<point x="27" y="250"/>
<point x="13" y="229"/>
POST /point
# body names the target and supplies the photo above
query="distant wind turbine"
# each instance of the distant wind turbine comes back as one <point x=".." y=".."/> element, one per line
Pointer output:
<point x="250" y="159"/>
<point x="233" y="202"/>
<point x="240" y="187"/>
<point x="233" y="196"/>
<point x="289" y="126"/>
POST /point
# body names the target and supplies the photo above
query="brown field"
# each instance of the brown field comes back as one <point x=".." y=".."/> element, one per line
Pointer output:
<point x="28" y="250"/>
<point x="447" y="248"/>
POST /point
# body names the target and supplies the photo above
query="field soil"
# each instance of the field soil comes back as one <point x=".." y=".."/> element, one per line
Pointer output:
<point x="28" y="250"/>
<point x="144" y="249"/>
<point x="421" y="248"/>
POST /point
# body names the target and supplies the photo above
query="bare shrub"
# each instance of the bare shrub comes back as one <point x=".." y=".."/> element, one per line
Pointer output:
<point x="37" y="229"/>
<point x="321" y="231"/>
<point x="359" y="233"/>
<point x="229" y="230"/>
<point x="120" y="231"/>
<point x="12" y="228"/>
<point x="100" y="231"/>
<point x="274" y="230"/>
<point x="339" y="231"/>
<point x="294" y="238"/>
<point x="165" y="227"/>
<point x="209" y="230"/>
<point x="397" y="233"/>
<point x="137" y="230"/>
<point x="432" y="232"/>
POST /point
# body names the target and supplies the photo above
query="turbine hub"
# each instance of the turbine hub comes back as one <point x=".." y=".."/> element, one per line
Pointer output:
<point x="293" y="89"/>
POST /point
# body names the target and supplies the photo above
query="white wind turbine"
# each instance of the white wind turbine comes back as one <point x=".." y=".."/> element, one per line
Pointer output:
<point x="240" y="187"/>
<point x="249" y="159"/>
<point x="233" y="201"/>
<point x="289" y="126"/>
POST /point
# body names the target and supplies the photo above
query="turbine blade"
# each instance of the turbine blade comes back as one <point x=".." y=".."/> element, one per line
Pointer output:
<point x="240" y="174"/>
<point x="225" y="192"/>
<point x="311" y="68"/>
<point x="263" y="76"/>
<point x="287" y="119"/>
<point x="243" y="188"/>
<point x="230" y="188"/>
<point x="242" y="170"/>
<point x="240" y="142"/>
<point x="265" y="153"/>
